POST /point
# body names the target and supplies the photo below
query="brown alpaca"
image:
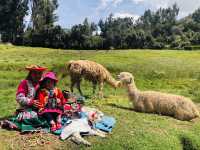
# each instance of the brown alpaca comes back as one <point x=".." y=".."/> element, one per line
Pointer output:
<point x="177" y="106"/>
<point x="90" y="71"/>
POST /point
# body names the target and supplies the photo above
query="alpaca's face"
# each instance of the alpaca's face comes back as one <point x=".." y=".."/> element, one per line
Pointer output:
<point x="125" y="78"/>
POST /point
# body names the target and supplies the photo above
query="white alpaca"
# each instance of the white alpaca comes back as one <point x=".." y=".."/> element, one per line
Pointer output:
<point x="177" y="106"/>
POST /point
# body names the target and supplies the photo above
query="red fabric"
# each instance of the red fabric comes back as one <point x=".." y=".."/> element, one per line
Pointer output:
<point x="31" y="102"/>
<point x="60" y="96"/>
<point x="23" y="87"/>
<point x="36" y="69"/>
<point x="50" y="111"/>
<point x="43" y="97"/>
<point x="67" y="107"/>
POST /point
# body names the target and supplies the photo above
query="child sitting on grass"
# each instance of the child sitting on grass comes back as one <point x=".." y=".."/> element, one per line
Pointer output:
<point x="51" y="100"/>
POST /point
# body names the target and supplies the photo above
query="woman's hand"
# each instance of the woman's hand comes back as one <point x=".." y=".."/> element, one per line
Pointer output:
<point x="58" y="100"/>
<point x="37" y="104"/>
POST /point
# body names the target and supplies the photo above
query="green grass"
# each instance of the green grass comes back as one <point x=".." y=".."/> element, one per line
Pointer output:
<point x="168" y="71"/>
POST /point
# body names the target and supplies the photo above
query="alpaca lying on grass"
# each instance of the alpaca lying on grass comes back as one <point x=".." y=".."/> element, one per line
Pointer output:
<point x="177" y="106"/>
<point x="90" y="71"/>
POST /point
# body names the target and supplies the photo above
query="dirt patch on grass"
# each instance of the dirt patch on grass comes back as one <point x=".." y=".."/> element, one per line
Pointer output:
<point x="15" y="141"/>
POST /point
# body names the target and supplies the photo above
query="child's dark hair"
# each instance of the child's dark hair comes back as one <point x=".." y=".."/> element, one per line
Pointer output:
<point x="43" y="83"/>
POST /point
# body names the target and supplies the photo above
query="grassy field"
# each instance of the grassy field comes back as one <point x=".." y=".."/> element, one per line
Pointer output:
<point x="169" y="71"/>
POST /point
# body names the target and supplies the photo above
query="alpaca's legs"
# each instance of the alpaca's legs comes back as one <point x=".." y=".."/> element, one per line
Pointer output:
<point x="73" y="82"/>
<point x="94" y="86"/>
<point x="98" y="133"/>
<point x="78" y="84"/>
<point x="148" y="107"/>
<point x="101" y="89"/>
<point x="76" y="137"/>
<point x="139" y="107"/>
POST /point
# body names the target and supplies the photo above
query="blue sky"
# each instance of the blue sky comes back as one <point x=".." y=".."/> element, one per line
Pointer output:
<point x="71" y="12"/>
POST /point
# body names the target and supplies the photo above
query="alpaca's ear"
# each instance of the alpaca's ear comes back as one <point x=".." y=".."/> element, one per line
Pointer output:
<point x="130" y="81"/>
<point x="119" y="84"/>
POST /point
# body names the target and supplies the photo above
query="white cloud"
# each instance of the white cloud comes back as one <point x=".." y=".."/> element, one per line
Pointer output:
<point x="124" y="15"/>
<point x="104" y="3"/>
<point x="186" y="6"/>
<point x="137" y="1"/>
<point x="116" y="2"/>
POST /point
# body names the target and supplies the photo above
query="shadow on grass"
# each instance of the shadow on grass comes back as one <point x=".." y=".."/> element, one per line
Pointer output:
<point x="120" y="107"/>
<point x="189" y="143"/>
<point x="6" y="117"/>
<point x="94" y="97"/>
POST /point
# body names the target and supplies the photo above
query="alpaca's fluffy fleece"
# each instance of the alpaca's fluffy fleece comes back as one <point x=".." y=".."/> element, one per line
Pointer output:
<point x="90" y="71"/>
<point x="179" y="107"/>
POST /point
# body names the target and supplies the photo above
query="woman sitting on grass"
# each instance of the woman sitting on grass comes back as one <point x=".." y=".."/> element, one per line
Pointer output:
<point x="26" y="118"/>
<point x="26" y="93"/>
<point x="51" y="100"/>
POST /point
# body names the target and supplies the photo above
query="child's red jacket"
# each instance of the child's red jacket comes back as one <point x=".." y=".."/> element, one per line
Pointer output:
<point x="44" y="100"/>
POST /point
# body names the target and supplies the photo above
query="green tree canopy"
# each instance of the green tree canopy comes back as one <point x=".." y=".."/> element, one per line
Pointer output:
<point x="12" y="13"/>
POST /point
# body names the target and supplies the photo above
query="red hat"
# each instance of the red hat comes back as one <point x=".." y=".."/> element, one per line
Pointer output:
<point x="35" y="68"/>
<point x="50" y="75"/>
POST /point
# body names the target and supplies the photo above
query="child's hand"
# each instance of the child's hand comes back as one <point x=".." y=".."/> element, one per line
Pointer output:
<point x="58" y="100"/>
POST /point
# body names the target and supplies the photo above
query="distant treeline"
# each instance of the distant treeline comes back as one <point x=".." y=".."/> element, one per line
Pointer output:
<point x="154" y="29"/>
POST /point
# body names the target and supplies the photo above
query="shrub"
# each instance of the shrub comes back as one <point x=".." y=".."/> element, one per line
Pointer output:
<point x="158" y="45"/>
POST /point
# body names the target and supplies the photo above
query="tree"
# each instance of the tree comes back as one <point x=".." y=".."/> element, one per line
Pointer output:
<point x="145" y="21"/>
<point x="115" y="31"/>
<point x="43" y="13"/>
<point x="12" y="13"/>
<point x="196" y="16"/>
<point x="160" y="24"/>
<point x="196" y="38"/>
<point x="43" y="32"/>
<point x="82" y="35"/>
<point x="85" y="28"/>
